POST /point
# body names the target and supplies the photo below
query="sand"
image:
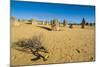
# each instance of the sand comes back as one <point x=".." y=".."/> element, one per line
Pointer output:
<point x="64" y="46"/>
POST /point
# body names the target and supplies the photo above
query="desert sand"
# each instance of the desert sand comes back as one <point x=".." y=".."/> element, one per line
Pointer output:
<point x="67" y="45"/>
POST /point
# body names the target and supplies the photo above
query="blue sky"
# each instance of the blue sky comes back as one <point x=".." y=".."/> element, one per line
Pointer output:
<point x="47" y="11"/>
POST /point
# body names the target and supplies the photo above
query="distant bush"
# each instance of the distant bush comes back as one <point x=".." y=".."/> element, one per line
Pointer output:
<point x="64" y="23"/>
<point x="70" y="26"/>
<point x="87" y="23"/>
<point x="91" y="24"/>
<point x="83" y="23"/>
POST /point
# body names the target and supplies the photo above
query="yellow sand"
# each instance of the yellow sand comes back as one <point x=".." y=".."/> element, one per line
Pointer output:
<point x="67" y="45"/>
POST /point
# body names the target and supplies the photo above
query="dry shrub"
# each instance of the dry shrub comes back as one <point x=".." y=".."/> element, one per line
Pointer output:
<point x="70" y="26"/>
<point x="34" y="46"/>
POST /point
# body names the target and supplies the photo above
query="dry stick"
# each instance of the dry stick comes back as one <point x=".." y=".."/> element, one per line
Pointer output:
<point x="38" y="56"/>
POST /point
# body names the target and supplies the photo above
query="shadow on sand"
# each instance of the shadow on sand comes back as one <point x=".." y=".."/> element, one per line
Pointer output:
<point x="46" y="28"/>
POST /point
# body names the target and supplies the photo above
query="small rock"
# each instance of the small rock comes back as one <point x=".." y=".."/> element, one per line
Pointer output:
<point x="78" y="50"/>
<point x="91" y="58"/>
